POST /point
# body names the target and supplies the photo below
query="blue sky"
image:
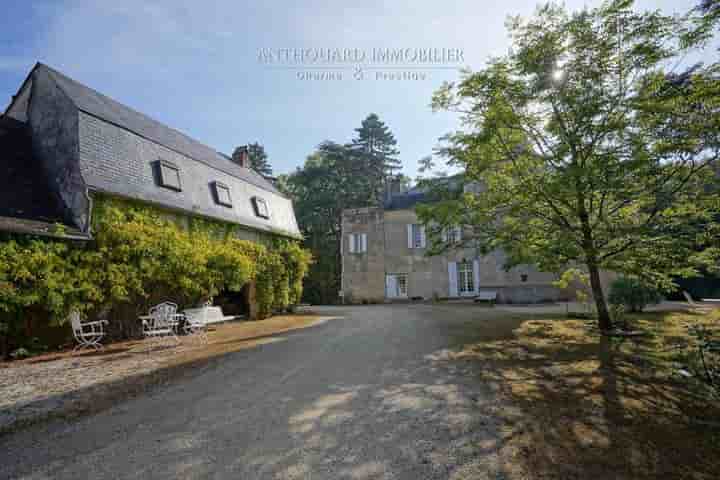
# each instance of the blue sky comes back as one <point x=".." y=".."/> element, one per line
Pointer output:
<point x="194" y="65"/>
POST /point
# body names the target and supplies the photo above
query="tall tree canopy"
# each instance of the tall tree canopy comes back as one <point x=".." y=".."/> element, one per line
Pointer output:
<point x="376" y="147"/>
<point x="331" y="180"/>
<point x="589" y="150"/>
<point x="258" y="158"/>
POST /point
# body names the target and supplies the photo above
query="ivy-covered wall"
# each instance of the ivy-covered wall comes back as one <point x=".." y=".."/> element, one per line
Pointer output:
<point x="140" y="255"/>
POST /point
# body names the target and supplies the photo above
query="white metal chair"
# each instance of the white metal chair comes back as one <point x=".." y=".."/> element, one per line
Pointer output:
<point x="87" y="334"/>
<point x="161" y="323"/>
<point x="196" y="322"/>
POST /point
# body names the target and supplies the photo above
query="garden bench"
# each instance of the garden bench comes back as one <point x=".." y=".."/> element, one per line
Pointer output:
<point x="208" y="313"/>
<point x="489" y="296"/>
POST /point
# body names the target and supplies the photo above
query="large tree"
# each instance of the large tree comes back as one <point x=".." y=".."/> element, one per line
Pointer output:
<point x="376" y="147"/>
<point x="589" y="150"/>
<point x="330" y="181"/>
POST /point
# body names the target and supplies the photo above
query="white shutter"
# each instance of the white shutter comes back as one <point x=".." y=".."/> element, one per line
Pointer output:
<point x="476" y="275"/>
<point x="351" y="243"/>
<point x="390" y="286"/>
<point x="422" y="236"/>
<point x="410" y="235"/>
<point x="458" y="233"/>
<point x="444" y="235"/>
<point x="452" y="277"/>
<point x="363" y="242"/>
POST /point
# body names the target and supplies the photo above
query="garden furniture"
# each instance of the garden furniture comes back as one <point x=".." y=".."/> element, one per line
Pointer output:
<point x="161" y="323"/>
<point x="87" y="334"/>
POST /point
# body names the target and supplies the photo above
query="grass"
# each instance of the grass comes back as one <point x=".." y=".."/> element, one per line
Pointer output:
<point x="575" y="404"/>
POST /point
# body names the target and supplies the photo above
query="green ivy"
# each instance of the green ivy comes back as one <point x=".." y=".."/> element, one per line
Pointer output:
<point x="140" y="254"/>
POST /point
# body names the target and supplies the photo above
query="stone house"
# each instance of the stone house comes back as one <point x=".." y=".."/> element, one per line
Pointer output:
<point x="64" y="143"/>
<point x="384" y="258"/>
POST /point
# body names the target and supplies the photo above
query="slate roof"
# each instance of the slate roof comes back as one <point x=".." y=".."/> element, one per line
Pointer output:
<point x="25" y="192"/>
<point x="105" y="108"/>
<point x="406" y="200"/>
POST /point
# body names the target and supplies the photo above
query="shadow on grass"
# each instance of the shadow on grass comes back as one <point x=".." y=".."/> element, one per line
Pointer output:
<point x="585" y="406"/>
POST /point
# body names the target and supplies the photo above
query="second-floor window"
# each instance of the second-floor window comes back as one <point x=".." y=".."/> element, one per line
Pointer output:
<point x="452" y="234"/>
<point x="416" y="235"/>
<point x="169" y="175"/>
<point x="261" y="208"/>
<point x="357" y="243"/>
<point x="222" y="194"/>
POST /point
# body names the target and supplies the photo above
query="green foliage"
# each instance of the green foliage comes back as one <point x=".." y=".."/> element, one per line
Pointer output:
<point x="141" y="255"/>
<point x="705" y="362"/>
<point x="633" y="294"/>
<point x="589" y="151"/>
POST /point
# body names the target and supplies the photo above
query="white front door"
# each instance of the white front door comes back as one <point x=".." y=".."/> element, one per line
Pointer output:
<point x="396" y="285"/>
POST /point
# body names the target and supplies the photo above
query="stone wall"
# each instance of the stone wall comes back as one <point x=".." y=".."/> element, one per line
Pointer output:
<point x="388" y="253"/>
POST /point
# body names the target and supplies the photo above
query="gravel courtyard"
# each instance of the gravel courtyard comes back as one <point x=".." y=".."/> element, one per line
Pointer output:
<point x="366" y="396"/>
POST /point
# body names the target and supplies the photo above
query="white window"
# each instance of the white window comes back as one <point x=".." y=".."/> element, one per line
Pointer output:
<point x="357" y="242"/>
<point x="452" y="234"/>
<point x="396" y="285"/>
<point x="222" y="194"/>
<point x="261" y="208"/>
<point x="465" y="278"/>
<point x="416" y="235"/>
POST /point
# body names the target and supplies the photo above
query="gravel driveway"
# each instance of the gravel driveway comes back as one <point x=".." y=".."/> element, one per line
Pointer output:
<point x="368" y="396"/>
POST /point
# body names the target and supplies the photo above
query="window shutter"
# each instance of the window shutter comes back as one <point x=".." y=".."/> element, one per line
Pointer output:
<point x="458" y="233"/>
<point x="444" y="235"/>
<point x="363" y="242"/>
<point x="476" y="275"/>
<point x="351" y="243"/>
<point x="422" y="236"/>
<point x="452" y="277"/>
<point x="410" y="235"/>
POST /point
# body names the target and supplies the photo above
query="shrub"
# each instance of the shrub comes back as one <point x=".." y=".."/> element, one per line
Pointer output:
<point x="633" y="294"/>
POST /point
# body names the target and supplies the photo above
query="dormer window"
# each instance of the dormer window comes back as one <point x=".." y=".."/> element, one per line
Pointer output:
<point x="169" y="175"/>
<point x="222" y="194"/>
<point x="260" y="207"/>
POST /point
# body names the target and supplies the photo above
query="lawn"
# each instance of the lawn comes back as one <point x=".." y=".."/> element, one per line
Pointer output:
<point x="574" y="404"/>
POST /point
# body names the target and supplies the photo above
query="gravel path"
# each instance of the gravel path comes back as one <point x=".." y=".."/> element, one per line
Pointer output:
<point x="368" y="396"/>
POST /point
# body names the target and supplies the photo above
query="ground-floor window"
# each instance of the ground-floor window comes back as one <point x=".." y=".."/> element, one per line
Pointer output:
<point x="396" y="285"/>
<point x="465" y="276"/>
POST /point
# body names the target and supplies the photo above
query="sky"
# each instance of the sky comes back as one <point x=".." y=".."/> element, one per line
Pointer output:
<point x="195" y="65"/>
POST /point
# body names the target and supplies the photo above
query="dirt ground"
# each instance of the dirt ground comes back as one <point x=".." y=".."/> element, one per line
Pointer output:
<point x="578" y="405"/>
<point x="73" y="383"/>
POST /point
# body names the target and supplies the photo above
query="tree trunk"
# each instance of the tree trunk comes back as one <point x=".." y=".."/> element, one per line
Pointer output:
<point x="604" y="321"/>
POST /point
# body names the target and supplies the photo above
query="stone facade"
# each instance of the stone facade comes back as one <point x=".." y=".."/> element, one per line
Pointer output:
<point x="387" y="253"/>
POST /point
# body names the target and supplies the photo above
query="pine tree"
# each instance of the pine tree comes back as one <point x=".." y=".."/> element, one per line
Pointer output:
<point x="375" y="145"/>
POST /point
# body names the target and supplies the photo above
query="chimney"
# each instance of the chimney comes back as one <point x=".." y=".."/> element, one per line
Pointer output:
<point x="393" y="187"/>
<point x="241" y="156"/>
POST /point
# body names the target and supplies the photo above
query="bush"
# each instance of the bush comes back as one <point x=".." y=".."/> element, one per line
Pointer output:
<point x="633" y="294"/>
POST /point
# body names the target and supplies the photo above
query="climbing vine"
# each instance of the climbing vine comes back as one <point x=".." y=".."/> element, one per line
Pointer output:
<point x="138" y="255"/>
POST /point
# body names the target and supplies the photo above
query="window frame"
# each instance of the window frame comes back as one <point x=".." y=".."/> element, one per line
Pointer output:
<point x="256" y="202"/>
<point x="355" y="243"/>
<point x="218" y="186"/>
<point x="163" y="166"/>
<point x="465" y="278"/>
